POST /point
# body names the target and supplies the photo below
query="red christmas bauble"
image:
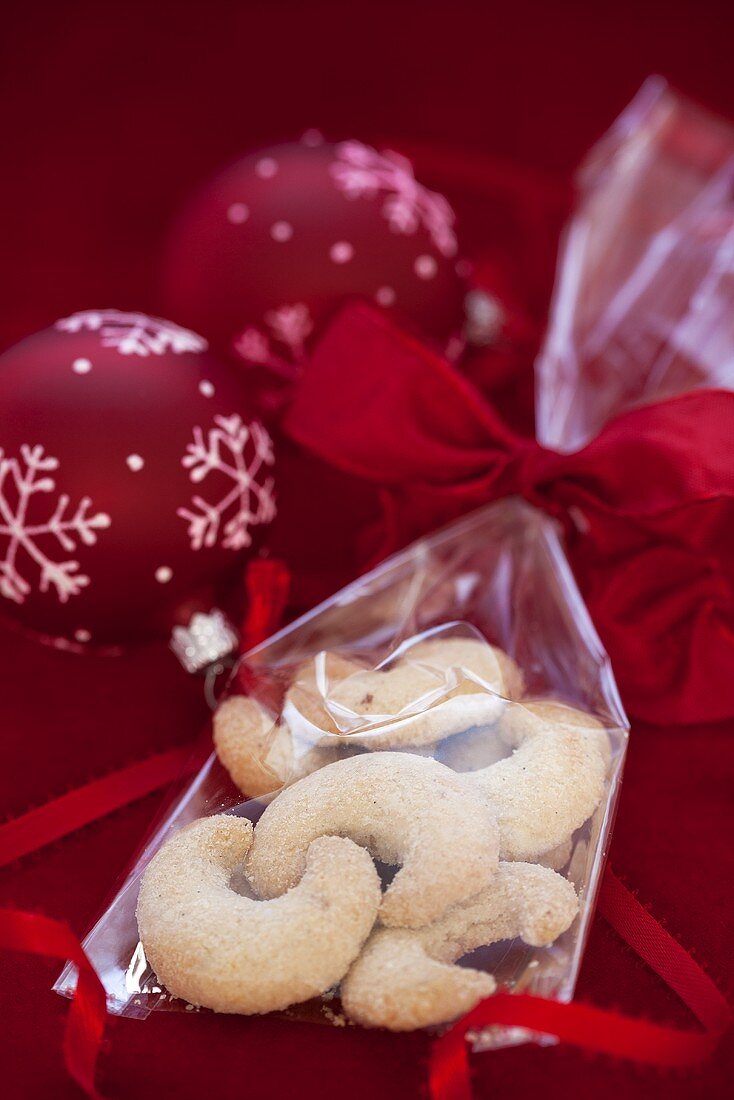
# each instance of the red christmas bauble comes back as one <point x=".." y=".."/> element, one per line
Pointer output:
<point x="131" y="475"/>
<point x="273" y="245"/>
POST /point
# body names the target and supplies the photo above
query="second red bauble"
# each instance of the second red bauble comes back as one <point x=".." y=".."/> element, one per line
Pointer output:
<point x="271" y="247"/>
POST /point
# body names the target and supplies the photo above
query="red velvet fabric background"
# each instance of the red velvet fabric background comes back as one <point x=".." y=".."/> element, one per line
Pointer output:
<point x="108" y="116"/>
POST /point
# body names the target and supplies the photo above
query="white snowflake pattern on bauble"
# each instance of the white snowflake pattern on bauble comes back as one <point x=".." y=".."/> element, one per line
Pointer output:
<point x="133" y="333"/>
<point x="29" y="539"/>
<point x="360" y="171"/>
<point x="288" y="326"/>
<point x="224" y="450"/>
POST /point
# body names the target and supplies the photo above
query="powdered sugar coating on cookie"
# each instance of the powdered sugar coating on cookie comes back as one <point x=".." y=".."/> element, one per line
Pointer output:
<point x="405" y="978"/>
<point x="476" y="664"/>
<point x="214" y="947"/>
<point x="551" y="784"/>
<point x="260" y="754"/>
<point x="407" y="810"/>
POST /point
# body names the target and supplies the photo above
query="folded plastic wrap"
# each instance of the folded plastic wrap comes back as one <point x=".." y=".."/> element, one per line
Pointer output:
<point x="644" y="302"/>
<point x="452" y="707"/>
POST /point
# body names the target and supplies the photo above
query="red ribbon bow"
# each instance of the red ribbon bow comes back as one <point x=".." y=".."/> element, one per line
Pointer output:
<point x="648" y="506"/>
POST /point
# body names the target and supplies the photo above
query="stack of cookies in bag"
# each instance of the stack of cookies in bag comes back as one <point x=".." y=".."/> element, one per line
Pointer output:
<point x="417" y="810"/>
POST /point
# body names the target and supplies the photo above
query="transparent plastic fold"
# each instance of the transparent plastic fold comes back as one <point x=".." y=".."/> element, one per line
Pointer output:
<point x="449" y="651"/>
<point x="643" y="307"/>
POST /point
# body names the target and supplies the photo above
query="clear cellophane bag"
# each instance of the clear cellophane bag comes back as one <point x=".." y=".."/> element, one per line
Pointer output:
<point x="643" y="307"/>
<point x="498" y="579"/>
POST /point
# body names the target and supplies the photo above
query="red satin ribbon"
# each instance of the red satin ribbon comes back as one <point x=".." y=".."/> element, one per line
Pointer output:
<point x="267" y="583"/>
<point x="94" y="800"/>
<point x="648" y="506"/>
<point x="85" y="1022"/>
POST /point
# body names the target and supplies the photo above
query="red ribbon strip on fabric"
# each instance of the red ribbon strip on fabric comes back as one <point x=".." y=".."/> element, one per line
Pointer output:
<point x="267" y="584"/>
<point x="595" y="1029"/>
<point x="85" y="1023"/>
<point x="648" y="506"/>
<point x="94" y="800"/>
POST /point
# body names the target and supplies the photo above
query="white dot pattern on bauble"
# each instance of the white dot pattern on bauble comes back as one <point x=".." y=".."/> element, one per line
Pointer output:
<point x="163" y="574"/>
<point x="81" y="366"/>
<point x="206" y="389"/>
<point x="238" y="213"/>
<point x="341" y="252"/>
<point x="281" y="231"/>
<point x="425" y="267"/>
<point x="266" y="168"/>
<point x="385" y="296"/>
<point x="135" y="463"/>
<point x="82" y="636"/>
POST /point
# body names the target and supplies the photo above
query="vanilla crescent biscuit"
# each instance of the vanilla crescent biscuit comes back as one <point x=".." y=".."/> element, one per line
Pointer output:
<point x="251" y="746"/>
<point x="453" y="715"/>
<point x="383" y="694"/>
<point x="418" y="702"/>
<point x="407" y="810"/>
<point x="479" y="664"/>
<point x="258" y="753"/>
<point x="396" y="984"/>
<point x="404" y="978"/>
<point x="516" y="724"/>
<point x="552" y="782"/>
<point x="214" y="947"/>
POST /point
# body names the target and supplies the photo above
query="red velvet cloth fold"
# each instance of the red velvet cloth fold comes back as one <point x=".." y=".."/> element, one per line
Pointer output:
<point x="647" y="507"/>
